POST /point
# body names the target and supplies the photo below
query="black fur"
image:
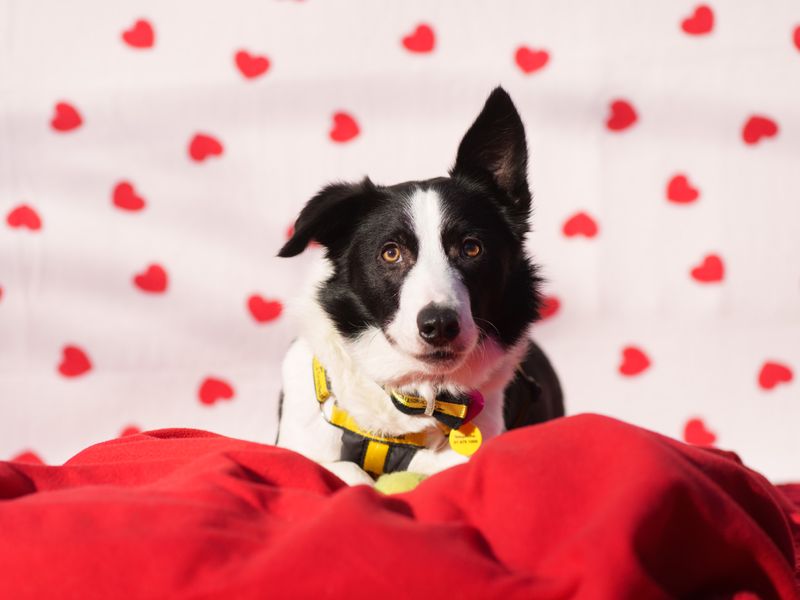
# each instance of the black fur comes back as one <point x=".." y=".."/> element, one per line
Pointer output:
<point x="494" y="153"/>
<point x="534" y="395"/>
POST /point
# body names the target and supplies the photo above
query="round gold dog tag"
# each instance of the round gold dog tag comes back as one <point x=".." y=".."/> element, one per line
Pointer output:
<point x="466" y="440"/>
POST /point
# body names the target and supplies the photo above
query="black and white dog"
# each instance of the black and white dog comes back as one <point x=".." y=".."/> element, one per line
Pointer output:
<point x="418" y="315"/>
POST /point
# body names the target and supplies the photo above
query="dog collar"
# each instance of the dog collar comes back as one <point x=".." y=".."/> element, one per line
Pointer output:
<point x="450" y="410"/>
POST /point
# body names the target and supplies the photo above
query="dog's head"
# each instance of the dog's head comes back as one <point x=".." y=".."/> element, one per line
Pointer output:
<point x="426" y="273"/>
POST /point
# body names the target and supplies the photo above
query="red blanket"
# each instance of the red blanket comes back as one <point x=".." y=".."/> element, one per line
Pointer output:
<point x="583" y="507"/>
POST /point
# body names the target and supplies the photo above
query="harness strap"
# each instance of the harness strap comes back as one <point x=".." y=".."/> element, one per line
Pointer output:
<point x="321" y="384"/>
<point x="342" y="419"/>
<point x="374" y="453"/>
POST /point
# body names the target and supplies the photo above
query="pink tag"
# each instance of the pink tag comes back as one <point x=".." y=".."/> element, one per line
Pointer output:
<point x="475" y="405"/>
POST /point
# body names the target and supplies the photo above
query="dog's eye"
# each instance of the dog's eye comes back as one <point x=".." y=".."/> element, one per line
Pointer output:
<point x="391" y="253"/>
<point x="471" y="248"/>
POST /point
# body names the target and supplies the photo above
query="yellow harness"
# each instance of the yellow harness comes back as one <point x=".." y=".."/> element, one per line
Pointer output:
<point x="374" y="453"/>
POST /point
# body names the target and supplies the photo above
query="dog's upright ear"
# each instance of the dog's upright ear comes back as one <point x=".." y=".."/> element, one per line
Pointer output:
<point x="329" y="217"/>
<point x="494" y="151"/>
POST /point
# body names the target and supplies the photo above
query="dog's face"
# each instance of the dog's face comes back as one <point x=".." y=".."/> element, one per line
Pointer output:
<point x="425" y="274"/>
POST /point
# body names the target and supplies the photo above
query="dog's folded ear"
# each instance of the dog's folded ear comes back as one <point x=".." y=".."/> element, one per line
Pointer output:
<point x="494" y="151"/>
<point x="329" y="216"/>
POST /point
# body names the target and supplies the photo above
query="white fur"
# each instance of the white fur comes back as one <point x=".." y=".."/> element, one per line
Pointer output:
<point x="361" y="370"/>
<point x="431" y="280"/>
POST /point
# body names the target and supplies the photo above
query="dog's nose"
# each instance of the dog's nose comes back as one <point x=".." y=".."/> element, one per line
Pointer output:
<point x="438" y="325"/>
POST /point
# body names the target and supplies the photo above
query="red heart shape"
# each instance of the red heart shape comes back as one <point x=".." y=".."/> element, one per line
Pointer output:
<point x="66" y="117"/>
<point x="711" y="270"/>
<point x="140" y="35"/>
<point x="622" y="115"/>
<point x="251" y="65"/>
<point x="531" y="60"/>
<point x="681" y="191"/>
<point x="153" y="280"/>
<point x="634" y="361"/>
<point x="550" y="306"/>
<point x="29" y="457"/>
<point x="126" y="198"/>
<point x="773" y="373"/>
<point x="758" y="127"/>
<point x="264" y="310"/>
<point x="580" y="224"/>
<point x="130" y="430"/>
<point x="344" y="128"/>
<point x="212" y="390"/>
<point x="202" y="146"/>
<point x="422" y="40"/>
<point x="701" y="21"/>
<point x="797" y="37"/>
<point x="74" y="362"/>
<point x="24" y="216"/>
<point x="695" y="432"/>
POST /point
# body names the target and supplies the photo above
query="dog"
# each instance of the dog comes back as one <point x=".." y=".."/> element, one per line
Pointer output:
<point x="415" y="325"/>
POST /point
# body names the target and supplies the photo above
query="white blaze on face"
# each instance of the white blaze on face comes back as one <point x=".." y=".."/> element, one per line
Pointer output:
<point x="431" y="280"/>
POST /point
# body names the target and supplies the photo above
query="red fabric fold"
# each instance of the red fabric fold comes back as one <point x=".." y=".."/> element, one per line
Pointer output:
<point x="582" y="507"/>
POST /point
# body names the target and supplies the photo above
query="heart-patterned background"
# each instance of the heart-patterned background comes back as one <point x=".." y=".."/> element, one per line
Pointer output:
<point x="153" y="156"/>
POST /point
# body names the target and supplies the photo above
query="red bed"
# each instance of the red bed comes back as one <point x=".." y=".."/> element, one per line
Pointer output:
<point x="582" y="507"/>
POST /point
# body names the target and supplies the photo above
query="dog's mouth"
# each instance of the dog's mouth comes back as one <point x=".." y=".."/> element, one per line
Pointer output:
<point x="441" y="358"/>
<point x="438" y="356"/>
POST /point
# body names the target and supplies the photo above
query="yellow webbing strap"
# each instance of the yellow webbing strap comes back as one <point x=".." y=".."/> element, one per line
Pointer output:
<point x="320" y="381"/>
<point x="449" y="408"/>
<point x="341" y="418"/>
<point x="375" y="458"/>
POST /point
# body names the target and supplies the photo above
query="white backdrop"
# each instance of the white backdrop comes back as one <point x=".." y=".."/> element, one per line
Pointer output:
<point x="139" y="286"/>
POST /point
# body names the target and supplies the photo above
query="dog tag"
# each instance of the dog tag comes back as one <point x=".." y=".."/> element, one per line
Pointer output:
<point x="466" y="440"/>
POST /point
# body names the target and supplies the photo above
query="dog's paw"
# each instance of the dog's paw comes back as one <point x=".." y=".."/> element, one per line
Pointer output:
<point x="349" y="472"/>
